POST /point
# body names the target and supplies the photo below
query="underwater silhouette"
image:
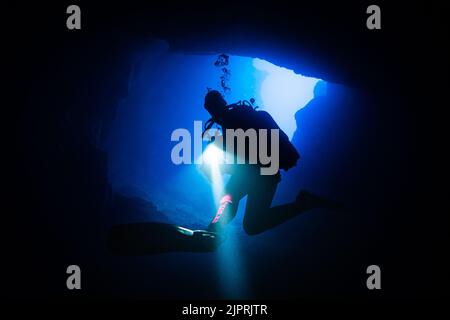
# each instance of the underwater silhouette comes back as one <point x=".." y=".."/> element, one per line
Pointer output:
<point x="139" y="237"/>
<point x="246" y="178"/>
<point x="157" y="237"/>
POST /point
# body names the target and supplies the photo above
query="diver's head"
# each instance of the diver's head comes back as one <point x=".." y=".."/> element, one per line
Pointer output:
<point x="215" y="104"/>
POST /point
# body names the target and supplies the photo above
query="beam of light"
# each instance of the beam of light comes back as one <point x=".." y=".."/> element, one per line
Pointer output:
<point x="283" y="93"/>
<point x="230" y="270"/>
<point x="213" y="157"/>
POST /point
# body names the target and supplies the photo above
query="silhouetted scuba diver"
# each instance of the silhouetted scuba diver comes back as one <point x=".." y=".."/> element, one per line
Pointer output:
<point x="246" y="179"/>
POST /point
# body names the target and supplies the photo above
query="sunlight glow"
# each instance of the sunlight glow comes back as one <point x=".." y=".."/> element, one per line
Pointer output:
<point x="283" y="92"/>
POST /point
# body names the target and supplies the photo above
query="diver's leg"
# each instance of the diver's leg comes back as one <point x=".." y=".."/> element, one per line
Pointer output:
<point x="259" y="200"/>
<point x="260" y="217"/>
<point x="234" y="192"/>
